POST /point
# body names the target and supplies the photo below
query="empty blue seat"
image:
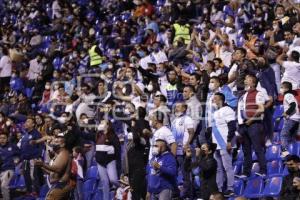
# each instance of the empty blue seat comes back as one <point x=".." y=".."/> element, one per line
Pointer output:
<point x="273" y="187"/>
<point x="237" y="167"/>
<point x="92" y="173"/>
<point x="89" y="188"/>
<point x="274" y="168"/>
<point x="255" y="168"/>
<point x="285" y="171"/>
<point x="277" y="118"/>
<point x="276" y="138"/>
<point x="273" y="152"/>
<point x="240" y="156"/>
<point x="238" y="187"/>
<point x="254" y="157"/>
<point x="294" y="148"/>
<point x="254" y="187"/>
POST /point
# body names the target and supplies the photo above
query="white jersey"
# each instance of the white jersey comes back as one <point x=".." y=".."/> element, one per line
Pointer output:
<point x="221" y="119"/>
<point x="287" y="100"/>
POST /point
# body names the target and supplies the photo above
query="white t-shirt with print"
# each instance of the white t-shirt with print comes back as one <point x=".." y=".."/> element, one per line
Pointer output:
<point x="180" y="127"/>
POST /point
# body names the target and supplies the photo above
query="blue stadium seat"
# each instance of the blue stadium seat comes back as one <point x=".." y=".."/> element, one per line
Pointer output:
<point x="254" y="187"/>
<point x="92" y="173"/>
<point x="43" y="191"/>
<point x="240" y="156"/>
<point x="285" y="171"/>
<point x="276" y="138"/>
<point x="238" y="187"/>
<point x="254" y="157"/>
<point x="274" y="168"/>
<point x="273" y="152"/>
<point x="255" y="169"/>
<point x="89" y="188"/>
<point x="273" y="187"/>
<point x="197" y="182"/>
<point x="237" y="167"/>
<point x="294" y="148"/>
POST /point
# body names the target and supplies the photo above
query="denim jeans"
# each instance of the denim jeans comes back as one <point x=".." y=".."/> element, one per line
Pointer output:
<point x="224" y="161"/>
<point x="89" y="155"/>
<point x="108" y="175"/>
<point x="163" y="195"/>
<point x="5" y="178"/>
<point x="253" y="138"/>
<point x="289" y="129"/>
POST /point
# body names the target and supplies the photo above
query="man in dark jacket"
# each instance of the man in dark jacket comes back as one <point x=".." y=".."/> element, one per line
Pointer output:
<point x="288" y="191"/>
<point x="208" y="165"/>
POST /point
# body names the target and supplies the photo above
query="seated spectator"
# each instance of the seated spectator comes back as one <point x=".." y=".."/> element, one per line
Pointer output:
<point x="288" y="191"/>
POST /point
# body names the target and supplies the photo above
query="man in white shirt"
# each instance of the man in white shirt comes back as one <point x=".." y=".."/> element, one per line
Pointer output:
<point x="183" y="132"/>
<point x="5" y="69"/>
<point x="161" y="132"/>
<point x="223" y="132"/>
<point x="35" y="68"/>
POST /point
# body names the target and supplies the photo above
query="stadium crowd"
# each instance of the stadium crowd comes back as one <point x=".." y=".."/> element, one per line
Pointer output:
<point x="144" y="99"/>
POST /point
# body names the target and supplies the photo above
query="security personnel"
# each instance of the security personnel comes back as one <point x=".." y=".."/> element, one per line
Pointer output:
<point x="181" y="30"/>
<point x="95" y="56"/>
<point x="8" y="153"/>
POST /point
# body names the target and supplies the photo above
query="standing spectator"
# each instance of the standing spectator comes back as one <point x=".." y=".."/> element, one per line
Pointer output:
<point x="107" y="155"/>
<point x="208" y="165"/>
<point x="30" y="152"/>
<point x="5" y="69"/>
<point x="288" y="191"/>
<point x="223" y="132"/>
<point x="9" y="153"/>
<point x="162" y="172"/>
<point x="250" y="116"/>
<point x="161" y="132"/>
<point x="291" y="115"/>
<point x="183" y="131"/>
<point x="194" y="109"/>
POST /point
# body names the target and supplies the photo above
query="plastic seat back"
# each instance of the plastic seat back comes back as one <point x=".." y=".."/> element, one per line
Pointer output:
<point x="273" y="187"/>
<point x="254" y="187"/>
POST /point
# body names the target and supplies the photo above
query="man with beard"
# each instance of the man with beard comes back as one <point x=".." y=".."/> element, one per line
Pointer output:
<point x="174" y="88"/>
<point x="288" y="191"/>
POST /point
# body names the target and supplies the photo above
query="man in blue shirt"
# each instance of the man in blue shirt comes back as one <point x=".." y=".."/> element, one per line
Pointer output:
<point x="162" y="173"/>
<point x="29" y="153"/>
<point x="8" y="154"/>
